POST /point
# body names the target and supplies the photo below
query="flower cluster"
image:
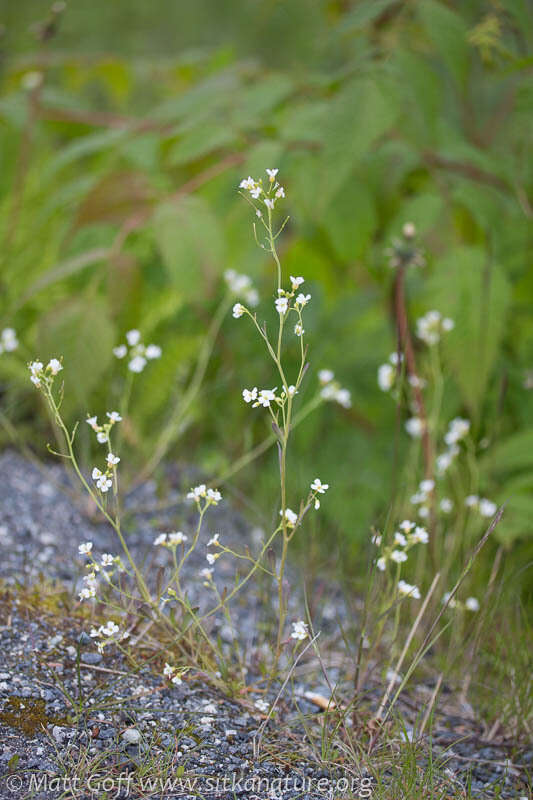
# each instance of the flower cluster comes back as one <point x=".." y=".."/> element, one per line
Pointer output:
<point x="415" y="427"/>
<point x="457" y="431"/>
<point x="170" y="540"/>
<point x="204" y="497"/>
<point x="332" y="390"/>
<point x="269" y="195"/>
<point x="241" y="285"/>
<point x="407" y="535"/>
<point x="432" y="325"/>
<point x="299" y="630"/>
<point x="408" y="589"/>
<point x="103" y="430"/>
<point x="8" y="340"/>
<point x="44" y="376"/>
<point x="173" y="674"/>
<point x="317" y="487"/>
<point x="138" y="355"/>
<point x="422" y="497"/>
<point x="104" y="480"/>
<point x="266" y="397"/>
<point x="470" y="604"/>
<point x="108" y="634"/>
<point x="388" y="373"/>
<point x="90" y="580"/>
<point x="403" y="252"/>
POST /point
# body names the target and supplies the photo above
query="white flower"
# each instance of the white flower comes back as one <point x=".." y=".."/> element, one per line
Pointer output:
<point x="176" y="537"/>
<point x="420" y="535"/>
<point x="400" y="539"/>
<point x="325" y="376"/>
<point x="133" y="337"/>
<point x="153" y="351"/>
<point x="447" y="598"/>
<point x="376" y="539"/>
<point x="415" y="427"/>
<point x="472" y="604"/>
<point x="206" y="573"/>
<point x="8" y="340"/>
<point x="298" y="329"/>
<point x="444" y="460"/>
<point x="407" y="526"/>
<point x="431" y="326"/>
<point x="101" y="437"/>
<point x="54" y="365"/>
<point x="114" y="416"/>
<point x="291" y="391"/>
<point x="386" y="377"/>
<point x="457" y="430"/>
<point x="213" y="541"/>
<point x="448" y="324"/>
<point x="211" y="558"/>
<point x="446" y="505"/>
<point x="280" y="191"/>
<point x="282" y="305"/>
<point x="427" y="485"/>
<point x="381" y="563"/>
<point x="256" y="191"/>
<point x="269" y="203"/>
<point x="238" y="310"/>
<point x="176" y="680"/>
<point x="299" y="630"/>
<point x="109" y="629"/>
<point x="302" y="299"/>
<point x="121" y="351"/>
<point x="112" y="460"/>
<point x="161" y="539"/>
<point x="398" y="556"/>
<point x="214" y="495"/>
<point x="107" y="560"/>
<point x="272" y="174"/>
<point x="137" y="364"/>
<point x="168" y="671"/>
<point x="409" y="230"/>
<point x="247" y="183"/>
<point x="96" y="474"/>
<point x="85" y="548"/>
<point x="343" y="398"/>
<point x="423" y="512"/>
<point x="487" y="508"/>
<point x="36" y="367"/>
<point x="408" y="589"/>
<point x="249" y="394"/>
<point x="197" y="492"/>
<point x="262" y="706"/>
<point x="104" y="483"/>
<point x="265" y="397"/>
<point x="318" y="486"/>
<point x="471" y="501"/>
<point x="87" y="592"/>
<point x="296" y="282"/>
<point x="93" y="422"/>
<point x="290" y="516"/>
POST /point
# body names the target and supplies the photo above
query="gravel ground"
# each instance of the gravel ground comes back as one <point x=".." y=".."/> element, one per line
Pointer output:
<point x="132" y="724"/>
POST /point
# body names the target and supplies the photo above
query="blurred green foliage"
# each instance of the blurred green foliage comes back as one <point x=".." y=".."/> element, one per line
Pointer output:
<point x="118" y="209"/>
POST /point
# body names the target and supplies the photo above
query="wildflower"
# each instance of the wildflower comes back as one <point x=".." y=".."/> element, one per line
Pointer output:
<point x="386" y="377"/>
<point x="444" y="460"/>
<point x="109" y="629"/>
<point x="408" y="589"/>
<point x="409" y="230"/>
<point x="107" y="560"/>
<point x="446" y="505"/>
<point x="280" y="192"/>
<point x="471" y="501"/>
<point x="291" y="390"/>
<point x="54" y="365"/>
<point x="299" y="630"/>
<point x="93" y="422"/>
<point x="85" y="548"/>
<point x="211" y="558"/>
<point x="296" y="282"/>
<point x="176" y="680"/>
<point x="272" y="174"/>
<point x="168" y="671"/>
<point x="415" y="427"/>
<point x="213" y="541"/>
<point x="487" y="508"/>
<point x="247" y="183"/>
<point x="420" y="535"/>
<point x="206" y="573"/>
<point x="302" y="299"/>
<point x="427" y="485"/>
<point x="376" y="539"/>
<point x="262" y="706"/>
<point x="269" y="203"/>
<point x="318" y="486"/>
<point x="197" y="492"/>
<point x="214" y="496"/>
<point x="176" y="537"/>
<point x="451" y="601"/>
<point x="121" y="351"/>
<point x="8" y="340"/>
<point x="161" y="539"/>
<point x="101" y="437"/>
<point x="381" y="563"/>
<point x="137" y="364"/>
<point x="400" y="539"/>
<point x="96" y="474"/>
<point x="290" y="516"/>
<point x="153" y="351"/>
<point x="398" y="556"/>
<point x="36" y="370"/>
<point x="104" y="483"/>
<point x="87" y="592"/>
<point x="133" y="337"/>
<point x="431" y="326"/>
<point x="238" y="310"/>
<point x="298" y="329"/>
<point x="343" y="398"/>
<point x="282" y="305"/>
<point x="265" y="397"/>
<point x="114" y="416"/>
<point x="325" y="376"/>
<point x="407" y="526"/>
<point x="112" y="460"/>
<point x="249" y="394"/>
<point x="457" y="430"/>
<point x="472" y="604"/>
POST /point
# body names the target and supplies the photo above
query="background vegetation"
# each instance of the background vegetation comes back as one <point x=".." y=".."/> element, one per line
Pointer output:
<point x="118" y="209"/>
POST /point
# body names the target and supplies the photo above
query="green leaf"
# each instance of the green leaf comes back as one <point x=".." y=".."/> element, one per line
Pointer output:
<point x="475" y="294"/>
<point x="83" y="334"/>
<point x="514" y="453"/>
<point x="191" y="243"/>
<point x="448" y="34"/>
<point x="199" y="142"/>
<point x="350" y="220"/>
